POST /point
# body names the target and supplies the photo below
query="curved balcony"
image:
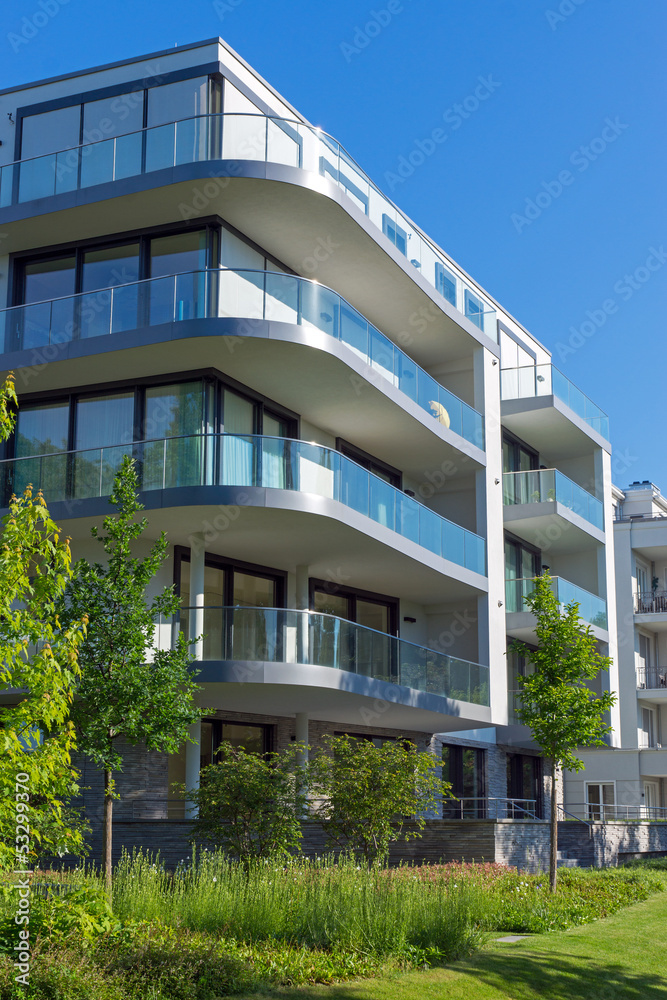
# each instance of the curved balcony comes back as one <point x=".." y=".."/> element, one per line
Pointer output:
<point x="242" y="137"/>
<point x="277" y="635"/>
<point x="242" y="294"/>
<point x="269" y="463"/>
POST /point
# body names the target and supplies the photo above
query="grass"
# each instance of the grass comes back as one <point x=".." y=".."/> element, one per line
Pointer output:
<point x="219" y="929"/>
<point x="622" y="958"/>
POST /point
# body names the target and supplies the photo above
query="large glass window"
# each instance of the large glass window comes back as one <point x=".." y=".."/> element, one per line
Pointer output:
<point x="42" y="430"/>
<point x="174" y="412"/>
<point x="463" y="768"/>
<point x="50" y="131"/>
<point x="173" y="101"/>
<point x="522" y="565"/>
<point x="183" y="255"/>
<point x="524" y="785"/>
<point x="445" y="282"/>
<point x="46" y="321"/>
<point x="49" y="279"/>
<point x="113" y="116"/>
<point x="104" y="312"/>
<point x="104" y="428"/>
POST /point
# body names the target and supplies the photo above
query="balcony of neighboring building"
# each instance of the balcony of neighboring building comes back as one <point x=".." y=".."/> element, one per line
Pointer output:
<point x="651" y="683"/>
<point x="289" y="186"/>
<point x="541" y="405"/>
<point x="279" y="661"/>
<point x="295" y="338"/>
<point x="650" y="609"/>
<point x="521" y="621"/>
<point x="546" y="507"/>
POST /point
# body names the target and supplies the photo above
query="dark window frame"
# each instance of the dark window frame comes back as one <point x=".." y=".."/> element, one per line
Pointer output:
<point x="368" y="461"/>
<point x="268" y="733"/>
<point x="182" y="553"/>
<point x="455" y="765"/>
<point x="353" y="594"/>
<point x="516" y="779"/>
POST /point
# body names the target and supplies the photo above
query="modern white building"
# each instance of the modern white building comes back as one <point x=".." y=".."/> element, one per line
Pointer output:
<point x="631" y="781"/>
<point x="360" y="458"/>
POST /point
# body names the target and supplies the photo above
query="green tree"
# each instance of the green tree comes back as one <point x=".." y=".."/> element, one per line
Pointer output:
<point x="561" y="710"/>
<point x="363" y="794"/>
<point x="38" y="668"/>
<point x="251" y="805"/>
<point x="129" y="689"/>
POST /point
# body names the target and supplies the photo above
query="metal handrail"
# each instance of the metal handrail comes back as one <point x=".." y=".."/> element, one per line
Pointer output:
<point x="616" y="813"/>
<point x="650" y="602"/>
<point x="299" y="128"/>
<point x="477" y="804"/>
<point x="651" y="678"/>
<point x="400" y="361"/>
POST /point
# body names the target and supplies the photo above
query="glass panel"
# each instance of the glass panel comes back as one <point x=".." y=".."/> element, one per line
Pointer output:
<point x="97" y="163"/>
<point x="445" y="283"/>
<point x="110" y="266"/>
<point x="101" y="423"/>
<point x="373" y="615"/>
<point x="206" y="744"/>
<point x="113" y="116"/>
<point x="181" y="252"/>
<point x="50" y="131"/>
<point x="331" y="604"/>
<point x="173" y="411"/>
<point x="254" y="591"/>
<point x="49" y="279"/>
<point x="40" y="430"/>
<point x="251" y="738"/>
<point x="238" y="414"/>
<point x="160" y="147"/>
<point x="174" y="101"/>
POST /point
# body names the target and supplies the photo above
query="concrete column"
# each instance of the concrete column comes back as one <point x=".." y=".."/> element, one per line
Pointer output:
<point x="302" y="603"/>
<point x="301" y="733"/>
<point x="491" y="627"/>
<point x="197" y="556"/>
<point x="192" y="765"/>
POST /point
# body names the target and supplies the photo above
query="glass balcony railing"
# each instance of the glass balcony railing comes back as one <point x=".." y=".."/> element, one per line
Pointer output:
<point x="252" y="295"/>
<point x="245" y="137"/>
<point x="276" y="635"/>
<point x="542" y="485"/>
<point x="247" y="460"/>
<point x="546" y="380"/>
<point x="592" y="609"/>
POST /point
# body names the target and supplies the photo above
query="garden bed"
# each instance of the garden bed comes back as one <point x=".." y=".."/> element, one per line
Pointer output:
<point x="218" y="928"/>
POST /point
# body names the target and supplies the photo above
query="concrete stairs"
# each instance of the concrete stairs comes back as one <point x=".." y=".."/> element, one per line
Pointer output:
<point x="575" y="845"/>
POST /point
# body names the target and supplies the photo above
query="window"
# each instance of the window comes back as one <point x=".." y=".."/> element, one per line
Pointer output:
<point x="522" y="565"/>
<point x="380" y="469"/>
<point x="42" y="430"/>
<point x="524" y="783"/>
<point x="445" y="283"/>
<point x="338" y="643"/>
<point x="647" y="736"/>
<point x="370" y="610"/>
<point x="50" y="131"/>
<point x="463" y="768"/>
<point x="474" y="309"/>
<point x="518" y="457"/>
<point x="398" y="236"/>
<point x="252" y="738"/>
<point x="600" y="800"/>
<point x="517" y="666"/>
<point x="172" y="102"/>
<point x="240" y="623"/>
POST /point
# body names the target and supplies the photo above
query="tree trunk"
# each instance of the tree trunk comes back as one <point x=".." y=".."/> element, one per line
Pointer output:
<point x="553" y="845"/>
<point x="107" y="835"/>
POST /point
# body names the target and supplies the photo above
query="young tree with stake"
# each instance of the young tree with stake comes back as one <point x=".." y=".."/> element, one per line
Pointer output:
<point x="562" y="712"/>
<point x="129" y="688"/>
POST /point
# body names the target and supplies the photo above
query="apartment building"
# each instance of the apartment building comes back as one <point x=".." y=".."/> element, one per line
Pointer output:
<point x="360" y="458"/>
<point x="630" y="782"/>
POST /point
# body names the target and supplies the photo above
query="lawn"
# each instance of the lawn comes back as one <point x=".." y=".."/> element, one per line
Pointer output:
<point x="623" y="957"/>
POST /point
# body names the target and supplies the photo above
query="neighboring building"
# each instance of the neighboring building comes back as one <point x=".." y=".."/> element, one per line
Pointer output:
<point x="360" y="458"/>
<point x="631" y="781"/>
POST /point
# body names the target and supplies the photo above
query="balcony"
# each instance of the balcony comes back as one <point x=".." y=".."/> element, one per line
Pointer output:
<point x="244" y="138"/>
<point x="250" y="295"/>
<point x="545" y="506"/>
<point x="651" y="602"/>
<point x="288" y="637"/>
<point x="531" y="394"/>
<point x="592" y="609"/>
<point x="652" y="679"/>
<point x="250" y="461"/>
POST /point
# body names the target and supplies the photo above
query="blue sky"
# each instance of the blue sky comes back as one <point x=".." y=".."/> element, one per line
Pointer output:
<point x="574" y="86"/>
